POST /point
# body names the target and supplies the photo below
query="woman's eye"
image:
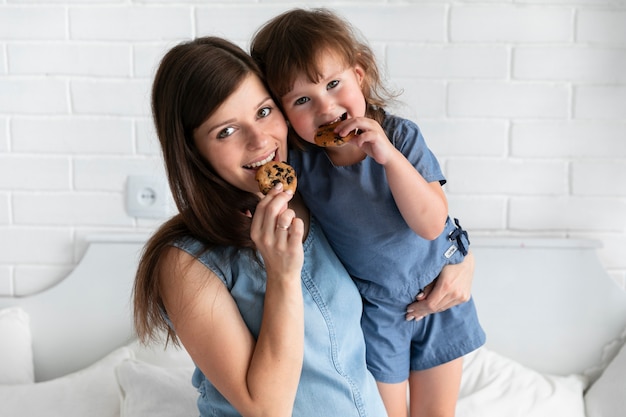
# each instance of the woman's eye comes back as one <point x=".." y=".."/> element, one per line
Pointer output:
<point x="332" y="84"/>
<point x="264" y="112"/>
<point x="226" y="132"/>
<point x="301" y="100"/>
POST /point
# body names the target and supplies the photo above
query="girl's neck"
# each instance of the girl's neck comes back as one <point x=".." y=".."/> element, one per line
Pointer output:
<point x="345" y="155"/>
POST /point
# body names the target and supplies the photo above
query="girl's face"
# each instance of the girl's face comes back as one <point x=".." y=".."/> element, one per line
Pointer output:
<point x="245" y="131"/>
<point x="336" y="95"/>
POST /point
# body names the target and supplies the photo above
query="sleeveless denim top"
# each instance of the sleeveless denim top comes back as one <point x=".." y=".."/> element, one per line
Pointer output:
<point x="334" y="380"/>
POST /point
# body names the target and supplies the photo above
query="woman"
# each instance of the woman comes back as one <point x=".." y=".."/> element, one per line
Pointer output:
<point x="248" y="283"/>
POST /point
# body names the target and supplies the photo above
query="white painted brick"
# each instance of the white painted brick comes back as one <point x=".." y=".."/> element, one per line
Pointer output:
<point x="120" y="98"/>
<point x="69" y="59"/>
<point x="72" y="135"/>
<point x="507" y="177"/>
<point x="218" y="20"/>
<point x="478" y="213"/>
<point x="35" y="246"/>
<point x="578" y="64"/>
<point x="388" y="22"/>
<point x="567" y="213"/>
<point x="502" y="99"/>
<point x="447" y="62"/>
<point x="422" y="98"/>
<point x="5" y="216"/>
<point x="23" y="23"/>
<point x="147" y="140"/>
<point x="6" y="282"/>
<point x="4" y="134"/>
<point x="146" y="59"/>
<point x="34" y="172"/>
<point x="466" y="137"/>
<point x="569" y="139"/>
<point x="135" y="23"/>
<point x="567" y="2"/>
<point x="90" y="209"/>
<point x="602" y="102"/>
<point x="33" y="96"/>
<point x="599" y="178"/>
<point x="109" y="174"/>
<point x="398" y="22"/>
<point x="411" y="39"/>
<point x="380" y="55"/>
<point x="3" y="61"/>
<point x="30" y="280"/>
<point x="77" y="2"/>
<point x="604" y="26"/>
<point x="510" y="23"/>
<point x="611" y="253"/>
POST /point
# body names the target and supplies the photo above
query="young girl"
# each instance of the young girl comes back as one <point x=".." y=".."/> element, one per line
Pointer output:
<point x="379" y="200"/>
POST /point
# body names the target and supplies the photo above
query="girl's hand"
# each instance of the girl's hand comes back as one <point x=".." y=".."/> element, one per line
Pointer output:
<point x="278" y="233"/>
<point x="371" y="138"/>
<point x="452" y="287"/>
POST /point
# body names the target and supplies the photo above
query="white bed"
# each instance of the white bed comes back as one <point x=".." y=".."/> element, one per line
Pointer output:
<point x="555" y="323"/>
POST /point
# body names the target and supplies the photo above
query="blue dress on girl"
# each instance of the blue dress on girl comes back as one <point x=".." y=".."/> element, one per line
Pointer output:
<point x="388" y="261"/>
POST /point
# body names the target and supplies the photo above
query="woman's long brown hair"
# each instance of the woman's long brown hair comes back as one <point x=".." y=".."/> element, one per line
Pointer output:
<point x="193" y="79"/>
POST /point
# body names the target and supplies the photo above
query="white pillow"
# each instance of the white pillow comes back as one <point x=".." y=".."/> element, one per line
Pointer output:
<point x="16" y="352"/>
<point x="607" y="396"/>
<point x="157" y="354"/>
<point x="495" y="386"/>
<point x="149" y="390"/>
<point x="609" y="352"/>
<point x="91" y="392"/>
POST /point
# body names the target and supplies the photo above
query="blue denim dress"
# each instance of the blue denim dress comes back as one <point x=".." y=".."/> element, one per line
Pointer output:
<point x="334" y="380"/>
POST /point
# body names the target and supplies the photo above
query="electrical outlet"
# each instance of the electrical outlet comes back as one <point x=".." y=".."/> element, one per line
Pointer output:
<point x="147" y="196"/>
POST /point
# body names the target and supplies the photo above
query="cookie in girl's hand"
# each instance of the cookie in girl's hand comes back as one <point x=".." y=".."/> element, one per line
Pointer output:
<point x="326" y="137"/>
<point x="273" y="172"/>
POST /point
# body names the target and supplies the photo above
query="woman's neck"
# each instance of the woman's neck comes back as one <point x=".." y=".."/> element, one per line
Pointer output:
<point x="302" y="212"/>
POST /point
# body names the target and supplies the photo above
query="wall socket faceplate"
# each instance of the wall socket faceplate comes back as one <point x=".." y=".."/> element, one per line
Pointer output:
<point x="147" y="196"/>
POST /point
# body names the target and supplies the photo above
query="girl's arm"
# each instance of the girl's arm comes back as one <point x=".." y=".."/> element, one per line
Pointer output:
<point x="423" y="205"/>
<point x="258" y="377"/>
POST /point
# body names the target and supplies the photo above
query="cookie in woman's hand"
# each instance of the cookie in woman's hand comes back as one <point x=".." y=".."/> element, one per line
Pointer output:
<point x="274" y="172"/>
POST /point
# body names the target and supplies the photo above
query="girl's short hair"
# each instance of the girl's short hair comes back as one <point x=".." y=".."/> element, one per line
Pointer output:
<point x="290" y="44"/>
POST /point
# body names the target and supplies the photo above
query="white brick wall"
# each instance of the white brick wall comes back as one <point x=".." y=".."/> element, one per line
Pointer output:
<point x="524" y="102"/>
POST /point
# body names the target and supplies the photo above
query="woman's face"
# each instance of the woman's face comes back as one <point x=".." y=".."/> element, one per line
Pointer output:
<point x="246" y="131"/>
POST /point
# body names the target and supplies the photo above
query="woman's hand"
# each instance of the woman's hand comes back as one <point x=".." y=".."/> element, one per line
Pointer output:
<point x="277" y="233"/>
<point x="452" y="287"/>
<point x="257" y="375"/>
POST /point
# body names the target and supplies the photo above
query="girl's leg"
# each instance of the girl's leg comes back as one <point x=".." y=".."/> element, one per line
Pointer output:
<point x="395" y="398"/>
<point x="434" y="392"/>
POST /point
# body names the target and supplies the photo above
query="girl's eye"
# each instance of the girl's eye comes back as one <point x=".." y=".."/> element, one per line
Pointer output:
<point x="264" y="112"/>
<point x="301" y="100"/>
<point x="226" y="132"/>
<point x="332" y="84"/>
